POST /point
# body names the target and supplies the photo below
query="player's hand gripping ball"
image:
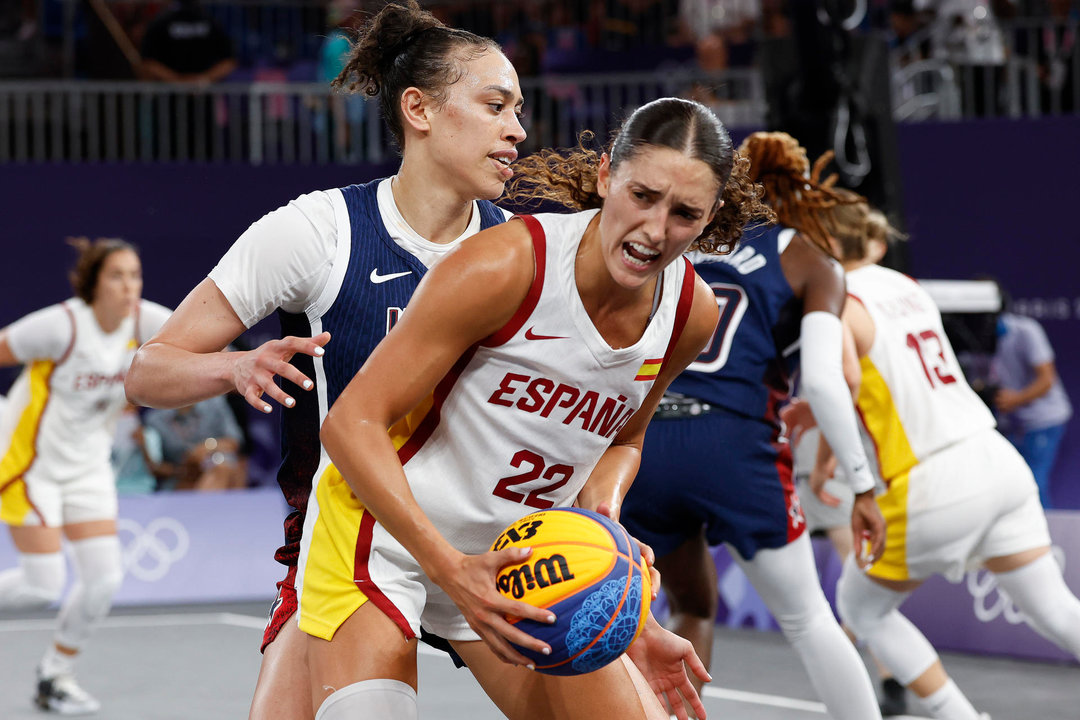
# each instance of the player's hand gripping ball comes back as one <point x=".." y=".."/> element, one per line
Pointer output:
<point x="589" y="572"/>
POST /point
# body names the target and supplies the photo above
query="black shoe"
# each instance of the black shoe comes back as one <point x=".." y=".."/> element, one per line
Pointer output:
<point x="894" y="698"/>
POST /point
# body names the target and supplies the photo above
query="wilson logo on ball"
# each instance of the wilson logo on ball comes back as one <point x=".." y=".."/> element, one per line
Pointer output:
<point x="541" y="574"/>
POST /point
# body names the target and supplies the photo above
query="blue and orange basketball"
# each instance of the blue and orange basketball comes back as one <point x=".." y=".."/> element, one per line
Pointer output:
<point x="588" y="571"/>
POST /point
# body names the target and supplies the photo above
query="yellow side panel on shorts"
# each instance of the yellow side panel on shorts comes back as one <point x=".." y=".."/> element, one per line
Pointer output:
<point x="329" y="593"/>
<point x="20" y="454"/>
<point x="403" y="429"/>
<point x="879" y="415"/>
<point x="894" y="507"/>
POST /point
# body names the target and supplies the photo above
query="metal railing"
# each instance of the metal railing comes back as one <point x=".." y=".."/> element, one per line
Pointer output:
<point x="285" y="123"/>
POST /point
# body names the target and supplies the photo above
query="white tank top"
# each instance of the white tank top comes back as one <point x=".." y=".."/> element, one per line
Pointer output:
<point x="62" y="410"/>
<point x="523" y="418"/>
<point x="913" y="399"/>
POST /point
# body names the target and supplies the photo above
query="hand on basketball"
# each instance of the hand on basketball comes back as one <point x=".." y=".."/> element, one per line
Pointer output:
<point x="868" y="527"/>
<point x="253" y="371"/>
<point x="662" y="657"/>
<point x="472" y="588"/>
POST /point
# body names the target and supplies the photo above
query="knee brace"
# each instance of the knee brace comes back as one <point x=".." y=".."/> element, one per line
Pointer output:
<point x="100" y="574"/>
<point x="870" y="611"/>
<point x="37" y="583"/>
<point x="389" y="699"/>
<point x="1049" y="606"/>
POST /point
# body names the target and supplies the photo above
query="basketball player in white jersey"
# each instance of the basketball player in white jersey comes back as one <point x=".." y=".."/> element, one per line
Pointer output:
<point x="522" y="376"/>
<point x="56" y="433"/>
<point x="958" y="494"/>
<point x="344" y="263"/>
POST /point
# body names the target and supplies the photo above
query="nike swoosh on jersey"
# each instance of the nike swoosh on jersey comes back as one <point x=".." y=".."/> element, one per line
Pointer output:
<point x="530" y="335"/>
<point x="377" y="278"/>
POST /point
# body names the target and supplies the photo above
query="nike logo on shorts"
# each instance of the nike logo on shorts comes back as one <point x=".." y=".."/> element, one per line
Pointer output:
<point x="530" y="335"/>
<point x="378" y="279"/>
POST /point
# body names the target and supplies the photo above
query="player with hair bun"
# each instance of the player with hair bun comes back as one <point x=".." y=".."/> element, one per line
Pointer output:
<point x="716" y="468"/>
<point x="339" y="267"/>
<point x="56" y="433"/>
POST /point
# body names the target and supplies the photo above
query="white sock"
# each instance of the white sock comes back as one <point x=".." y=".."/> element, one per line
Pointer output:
<point x="55" y="663"/>
<point x="949" y="703"/>
<point x="1040" y="592"/>
<point x="384" y="699"/>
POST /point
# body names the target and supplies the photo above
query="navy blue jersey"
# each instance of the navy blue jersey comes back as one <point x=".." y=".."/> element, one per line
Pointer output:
<point x="748" y="367"/>
<point x="378" y="282"/>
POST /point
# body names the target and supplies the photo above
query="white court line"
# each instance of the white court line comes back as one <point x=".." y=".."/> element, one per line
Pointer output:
<point x="258" y="623"/>
<point x="761" y="699"/>
<point x="134" y="621"/>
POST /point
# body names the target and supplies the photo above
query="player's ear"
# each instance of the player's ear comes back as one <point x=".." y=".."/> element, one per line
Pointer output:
<point x="416" y="109"/>
<point x="603" y="176"/>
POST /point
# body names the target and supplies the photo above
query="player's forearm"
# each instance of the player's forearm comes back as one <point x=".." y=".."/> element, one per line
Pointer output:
<point x="165" y="376"/>
<point x="611" y="479"/>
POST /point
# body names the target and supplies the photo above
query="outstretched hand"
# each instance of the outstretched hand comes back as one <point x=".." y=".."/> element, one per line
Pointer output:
<point x="253" y="372"/>
<point x="471" y="584"/>
<point x="797" y="418"/>
<point x="662" y="657"/>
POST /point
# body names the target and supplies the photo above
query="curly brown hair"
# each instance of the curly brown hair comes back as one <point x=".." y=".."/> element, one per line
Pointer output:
<point x="853" y="225"/>
<point x="92" y="255"/>
<point x="794" y="189"/>
<point x="405" y="46"/>
<point x="568" y="177"/>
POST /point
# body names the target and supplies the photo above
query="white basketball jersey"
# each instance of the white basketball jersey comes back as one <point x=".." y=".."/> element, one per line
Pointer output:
<point x="61" y="411"/>
<point x="523" y="418"/>
<point x="914" y="399"/>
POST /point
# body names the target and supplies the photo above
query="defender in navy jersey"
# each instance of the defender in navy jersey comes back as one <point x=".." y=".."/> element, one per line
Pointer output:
<point x="339" y="267"/>
<point x="715" y="467"/>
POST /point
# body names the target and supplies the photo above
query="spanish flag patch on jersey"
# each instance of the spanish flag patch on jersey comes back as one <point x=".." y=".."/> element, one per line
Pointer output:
<point x="649" y="369"/>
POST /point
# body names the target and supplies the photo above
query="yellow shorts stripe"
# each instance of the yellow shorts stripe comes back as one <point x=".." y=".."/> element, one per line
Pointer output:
<point x="893" y="564"/>
<point x="329" y="594"/>
<point x="15" y="505"/>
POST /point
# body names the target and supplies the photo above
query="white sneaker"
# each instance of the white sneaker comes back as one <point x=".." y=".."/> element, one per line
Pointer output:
<point x="62" y="695"/>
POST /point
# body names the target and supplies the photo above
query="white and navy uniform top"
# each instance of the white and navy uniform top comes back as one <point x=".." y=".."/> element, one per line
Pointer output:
<point x="913" y="399"/>
<point x="749" y="365"/>
<point x="714" y="455"/>
<point x="516" y="425"/>
<point x="58" y="424"/>
<point x="343" y="261"/>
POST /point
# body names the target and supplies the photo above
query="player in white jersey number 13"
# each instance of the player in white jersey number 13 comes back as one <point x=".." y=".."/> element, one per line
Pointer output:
<point x="958" y="494"/>
<point x="55" y="437"/>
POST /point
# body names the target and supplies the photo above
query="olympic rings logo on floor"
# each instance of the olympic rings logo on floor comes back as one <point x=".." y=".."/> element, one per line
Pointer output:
<point x="990" y="605"/>
<point x="149" y="552"/>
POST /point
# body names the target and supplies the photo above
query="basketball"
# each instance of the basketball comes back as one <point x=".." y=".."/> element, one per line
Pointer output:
<point x="588" y="571"/>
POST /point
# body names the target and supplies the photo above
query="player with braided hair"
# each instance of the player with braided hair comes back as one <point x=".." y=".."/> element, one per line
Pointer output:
<point x="715" y="467"/>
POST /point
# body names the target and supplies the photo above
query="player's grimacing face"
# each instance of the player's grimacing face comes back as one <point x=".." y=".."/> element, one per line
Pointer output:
<point x="119" y="283"/>
<point x="478" y="125"/>
<point x="656" y="204"/>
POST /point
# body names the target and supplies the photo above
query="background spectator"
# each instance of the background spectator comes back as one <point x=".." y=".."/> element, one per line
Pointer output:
<point x="200" y="447"/>
<point x="185" y="44"/>
<point x="1031" y="403"/>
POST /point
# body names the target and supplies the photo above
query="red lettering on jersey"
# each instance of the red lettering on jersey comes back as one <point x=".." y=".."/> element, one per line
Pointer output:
<point x="607" y="415"/>
<point x="584" y="409"/>
<point x="506" y="387"/>
<point x="537" y="391"/>
<point x="569" y="391"/>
